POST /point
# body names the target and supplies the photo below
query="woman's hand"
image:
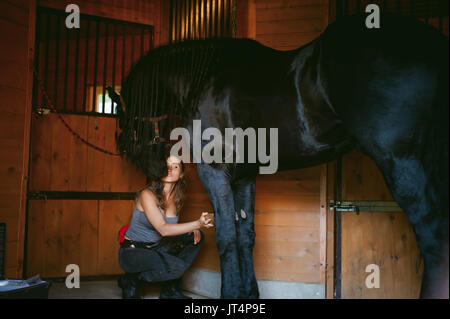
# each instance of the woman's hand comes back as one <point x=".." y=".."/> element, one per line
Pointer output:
<point x="197" y="236"/>
<point x="205" y="221"/>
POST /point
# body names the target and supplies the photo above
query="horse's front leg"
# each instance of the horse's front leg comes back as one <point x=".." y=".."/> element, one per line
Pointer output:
<point x="220" y="194"/>
<point x="244" y="200"/>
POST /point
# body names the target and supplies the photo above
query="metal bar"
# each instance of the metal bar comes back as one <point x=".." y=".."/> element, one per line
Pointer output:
<point x="46" y="51"/>
<point x="189" y="19"/>
<point x="338" y="9"/>
<point x="142" y="41"/>
<point x="55" y="95"/>
<point x="150" y="38"/>
<point x="219" y="18"/>
<point x="132" y="49"/>
<point x="86" y="62"/>
<point x="123" y="51"/>
<point x="171" y="22"/>
<point x="66" y="74"/>
<point x="94" y="89"/>
<point x="48" y="195"/>
<point x="87" y="113"/>
<point x="75" y="93"/>
<point x="114" y="64"/>
<point x="207" y="18"/>
<point x="196" y="20"/>
<point x="178" y="22"/>
<point x="36" y="57"/>
<point x="184" y="20"/>
<point x="211" y="19"/>
<point x="214" y="19"/>
<point x="105" y="64"/>
<point x="227" y="17"/>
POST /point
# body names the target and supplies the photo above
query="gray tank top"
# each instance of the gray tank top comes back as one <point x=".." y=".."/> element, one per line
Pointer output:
<point x="142" y="230"/>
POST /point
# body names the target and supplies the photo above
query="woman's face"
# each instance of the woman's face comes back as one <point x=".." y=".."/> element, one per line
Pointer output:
<point x="174" y="169"/>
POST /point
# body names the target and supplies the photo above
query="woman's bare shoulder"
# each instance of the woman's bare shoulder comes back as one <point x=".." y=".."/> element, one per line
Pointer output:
<point x="147" y="196"/>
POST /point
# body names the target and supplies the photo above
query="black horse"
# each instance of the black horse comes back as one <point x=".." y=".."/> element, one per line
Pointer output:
<point x="383" y="91"/>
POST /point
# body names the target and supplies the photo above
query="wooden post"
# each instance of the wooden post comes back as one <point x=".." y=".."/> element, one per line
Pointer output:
<point x="323" y="222"/>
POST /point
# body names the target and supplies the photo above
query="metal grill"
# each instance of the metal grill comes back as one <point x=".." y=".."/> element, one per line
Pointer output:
<point x="76" y="65"/>
<point x="200" y="19"/>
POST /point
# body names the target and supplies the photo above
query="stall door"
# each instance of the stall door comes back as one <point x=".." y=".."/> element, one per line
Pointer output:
<point x="378" y="256"/>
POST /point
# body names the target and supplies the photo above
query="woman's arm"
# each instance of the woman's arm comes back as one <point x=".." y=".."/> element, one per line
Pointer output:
<point x="148" y="201"/>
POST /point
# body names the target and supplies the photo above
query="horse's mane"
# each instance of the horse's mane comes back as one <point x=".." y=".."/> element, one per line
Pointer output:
<point x="168" y="80"/>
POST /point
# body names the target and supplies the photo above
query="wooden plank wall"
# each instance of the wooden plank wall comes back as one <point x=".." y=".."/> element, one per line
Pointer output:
<point x="61" y="162"/>
<point x="82" y="232"/>
<point x="287" y="224"/>
<point x="382" y="238"/>
<point x="289" y="24"/>
<point x="17" y="31"/>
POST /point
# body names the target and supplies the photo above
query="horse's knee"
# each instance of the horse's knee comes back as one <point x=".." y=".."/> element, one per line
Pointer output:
<point x="246" y="235"/>
<point x="225" y="244"/>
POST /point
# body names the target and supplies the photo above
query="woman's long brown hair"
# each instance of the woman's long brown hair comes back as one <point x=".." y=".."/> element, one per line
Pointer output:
<point x="179" y="191"/>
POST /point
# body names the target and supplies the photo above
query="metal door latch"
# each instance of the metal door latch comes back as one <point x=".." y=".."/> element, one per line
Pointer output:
<point x="344" y="207"/>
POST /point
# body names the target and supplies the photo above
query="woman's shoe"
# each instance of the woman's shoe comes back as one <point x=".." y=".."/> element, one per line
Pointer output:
<point x="170" y="290"/>
<point x="130" y="286"/>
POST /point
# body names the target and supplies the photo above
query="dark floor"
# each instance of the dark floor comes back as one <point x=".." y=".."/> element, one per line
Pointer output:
<point x="103" y="289"/>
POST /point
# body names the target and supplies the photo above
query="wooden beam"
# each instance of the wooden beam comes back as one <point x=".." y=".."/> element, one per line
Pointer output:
<point x="323" y="223"/>
<point x="329" y="279"/>
<point x="26" y="137"/>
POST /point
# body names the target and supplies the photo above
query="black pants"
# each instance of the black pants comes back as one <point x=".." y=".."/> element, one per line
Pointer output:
<point x="167" y="261"/>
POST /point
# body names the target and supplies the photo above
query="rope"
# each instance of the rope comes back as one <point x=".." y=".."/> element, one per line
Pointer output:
<point x="49" y="101"/>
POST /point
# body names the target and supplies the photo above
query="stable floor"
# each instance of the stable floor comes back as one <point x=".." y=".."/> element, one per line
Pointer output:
<point x="105" y="289"/>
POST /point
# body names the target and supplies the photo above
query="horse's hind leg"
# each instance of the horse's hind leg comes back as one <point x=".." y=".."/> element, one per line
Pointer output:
<point x="419" y="190"/>
<point x="244" y="200"/>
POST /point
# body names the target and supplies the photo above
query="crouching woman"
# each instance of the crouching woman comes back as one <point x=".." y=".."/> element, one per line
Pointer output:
<point x="156" y="248"/>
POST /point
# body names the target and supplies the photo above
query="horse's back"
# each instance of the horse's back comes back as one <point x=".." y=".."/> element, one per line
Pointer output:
<point x="387" y="84"/>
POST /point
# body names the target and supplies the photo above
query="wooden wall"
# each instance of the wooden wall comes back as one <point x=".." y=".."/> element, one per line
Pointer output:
<point x="17" y="31"/>
<point x="61" y="162"/>
<point x="287" y="221"/>
<point x="287" y="225"/>
<point x="385" y="239"/>
<point x="82" y="232"/>
<point x="289" y="24"/>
